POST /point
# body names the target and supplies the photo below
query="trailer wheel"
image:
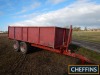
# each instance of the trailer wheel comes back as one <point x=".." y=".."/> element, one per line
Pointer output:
<point x="24" y="47"/>
<point x="16" y="45"/>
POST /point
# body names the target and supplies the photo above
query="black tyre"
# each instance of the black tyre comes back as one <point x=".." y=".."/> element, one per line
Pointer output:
<point x="24" y="47"/>
<point x="16" y="45"/>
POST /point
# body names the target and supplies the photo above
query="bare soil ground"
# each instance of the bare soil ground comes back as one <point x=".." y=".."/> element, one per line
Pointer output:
<point x="38" y="62"/>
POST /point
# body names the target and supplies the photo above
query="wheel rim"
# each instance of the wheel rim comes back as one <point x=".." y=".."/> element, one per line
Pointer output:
<point x="23" y="49"/>
<point x="15" y="46"/>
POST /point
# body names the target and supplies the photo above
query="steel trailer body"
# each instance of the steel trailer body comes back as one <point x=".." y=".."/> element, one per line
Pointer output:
<point x="46" y="36"/>
<point x="54" y="39"/>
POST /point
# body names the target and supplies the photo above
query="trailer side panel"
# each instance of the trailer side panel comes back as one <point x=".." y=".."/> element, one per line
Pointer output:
<point x="33" y="34"/>
<point x="47" y="35"/>
<point x="25" y="36"/>
<point x="18" y="33"/>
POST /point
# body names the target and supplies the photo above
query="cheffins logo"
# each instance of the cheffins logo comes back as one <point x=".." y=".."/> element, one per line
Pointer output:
<point x="83" y="69"/>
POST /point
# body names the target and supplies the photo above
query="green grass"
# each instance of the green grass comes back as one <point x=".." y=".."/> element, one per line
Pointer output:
<point x="90" y="36"/>
<point x="94" y="56"/>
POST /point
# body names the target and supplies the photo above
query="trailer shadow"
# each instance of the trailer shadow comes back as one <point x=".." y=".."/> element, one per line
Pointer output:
<point x="74" y="48"/>
<point x="34" y="49"/>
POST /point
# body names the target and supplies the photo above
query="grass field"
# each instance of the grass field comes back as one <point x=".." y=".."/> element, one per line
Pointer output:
<point x="93" y="56"/>
<point x="90" y="36"/>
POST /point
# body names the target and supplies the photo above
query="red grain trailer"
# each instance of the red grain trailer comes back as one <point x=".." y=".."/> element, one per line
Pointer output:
<point x="54" y="39"/>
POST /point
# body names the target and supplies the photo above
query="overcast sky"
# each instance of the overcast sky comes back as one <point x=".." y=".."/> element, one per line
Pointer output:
<point x="83" y="13"/>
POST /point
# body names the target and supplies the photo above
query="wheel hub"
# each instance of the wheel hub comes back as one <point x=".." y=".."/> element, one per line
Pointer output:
<point x="22" y="49"/>
<point x="15" y="46"/>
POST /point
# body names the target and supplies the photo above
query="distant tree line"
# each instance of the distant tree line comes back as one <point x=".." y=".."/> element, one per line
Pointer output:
<point x="85" y="29"/>
<point x="77" y="28"/>
<point x="3" y="31"/>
